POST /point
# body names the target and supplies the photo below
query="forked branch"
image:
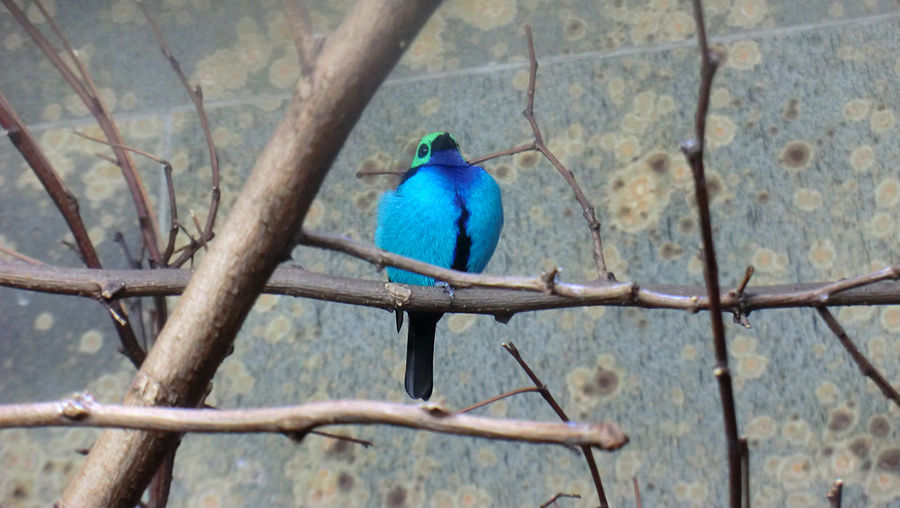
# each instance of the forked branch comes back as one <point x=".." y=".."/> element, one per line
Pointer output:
<point x="196" y="95"/>
<point x="545" y="392"/>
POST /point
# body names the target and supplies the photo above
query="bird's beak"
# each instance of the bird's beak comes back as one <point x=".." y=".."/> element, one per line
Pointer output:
<point x="443" y="142"/>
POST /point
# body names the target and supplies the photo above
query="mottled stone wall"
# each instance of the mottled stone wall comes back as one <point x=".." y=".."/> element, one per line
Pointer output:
<point x="803" y="151"/>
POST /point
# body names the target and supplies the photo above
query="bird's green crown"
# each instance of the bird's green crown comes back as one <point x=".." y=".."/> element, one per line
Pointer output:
<point x="432" y="145"/>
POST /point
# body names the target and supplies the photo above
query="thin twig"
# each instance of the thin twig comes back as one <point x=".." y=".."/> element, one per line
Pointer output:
<point x="130" y="347"/>
<point x="81" y="410"/>
<point x="745" y="472"/>
<point x="196" y="95"/>
<point x="301" y="29"/>
<point x="865" y="367"/>
<point x="20" y="256"/>
<point x="739" y="290"/>
<point x="133" y="262"/>
<point x="123" y="147"/>
<point x="87" y="91"/>
<point x="558" y="496"/>
<point x="693" y="151"/>
<point x="167" y="167"/>
<point x="341" y="437"/>
<point x="835" y="493"/>
<point x="173" y="217"/>
<point x="382" y="258"/>
<point x="740" y="315"/>
<point x="587" y="209"/>
<point x="545" y="392"/>
<point x="527" y="147"/>
<point x="637" y="493"/>
<point x="199" y="230"/>
<point x="374" y="172"/>
<point x="491" y="400"/>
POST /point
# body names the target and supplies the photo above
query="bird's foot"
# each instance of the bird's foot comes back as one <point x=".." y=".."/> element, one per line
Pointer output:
<point x="447" y="289"/>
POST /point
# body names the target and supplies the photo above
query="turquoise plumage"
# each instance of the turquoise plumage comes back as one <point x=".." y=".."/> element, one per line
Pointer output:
<point x="445" y="212"/>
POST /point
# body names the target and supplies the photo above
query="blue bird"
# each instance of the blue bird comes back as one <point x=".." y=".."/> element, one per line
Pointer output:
<point x="445" y="212"/>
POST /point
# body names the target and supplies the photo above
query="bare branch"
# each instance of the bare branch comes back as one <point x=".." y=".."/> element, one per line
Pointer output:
<point x="739" y="290"/>
<point x="90" y="96"/>
<point x="529" y="389"/>
<point x="835" y="493"/>
<point x="82" y="411"/>
<point x="67" y="204"/>
<point x="197" y="98"/>
<point x="375" y="172"/>
<point x="558" y="496"/>
<point x="20" y="256"/>
<point x="745" y="472"/>
<point x="586" y="208"/>
<point x="167" y="167"/>
<point x="65" y="201"/>
<point x="527" y="147"/>
<point x="301" y="29"/>
<point x="162" y="481"/>
<point x="340" y="437"/>
<point x="381" y="258"/>
<point x="693" y="151"/>
<point x="637" y="493"/>
<point x="865" y="367"/>
<point x="542" y="388"/>
<point x="295" y="281"/>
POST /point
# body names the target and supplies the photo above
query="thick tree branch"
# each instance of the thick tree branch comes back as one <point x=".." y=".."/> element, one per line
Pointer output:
<point x="82" y="411"/>
<point x="871" y="289"/>
<point x="268" y="212"/>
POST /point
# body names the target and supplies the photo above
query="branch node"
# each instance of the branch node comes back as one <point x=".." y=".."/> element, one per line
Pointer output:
<point x="548" y="279"/>
<point x="504" y="318"/>
<point x="436" y="410"/>
<point x="690" y="148"/>
<point x="111" y="289"/>
<point x="835" y="493"/>
<point x="740" y="318"/>
<point x="78" y="407"/>
<point x="695" y="305"/>
<point x="739" y="290"/>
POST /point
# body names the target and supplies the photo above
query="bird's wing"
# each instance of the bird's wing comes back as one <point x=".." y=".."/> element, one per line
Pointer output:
<point x="419" y="220"/>
<point x="482" y="200"/>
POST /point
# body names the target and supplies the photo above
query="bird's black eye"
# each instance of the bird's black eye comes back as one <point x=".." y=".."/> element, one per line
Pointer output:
<point x="423" y="150"/>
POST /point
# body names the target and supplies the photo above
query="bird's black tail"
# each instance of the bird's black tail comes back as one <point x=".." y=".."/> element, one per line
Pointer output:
<point x="420" y="354"/>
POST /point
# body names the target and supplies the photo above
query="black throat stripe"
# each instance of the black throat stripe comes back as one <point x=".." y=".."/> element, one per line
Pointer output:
<point x="463" y="241"/>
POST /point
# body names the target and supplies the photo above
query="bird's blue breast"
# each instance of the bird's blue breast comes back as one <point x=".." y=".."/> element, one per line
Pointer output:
<point x="448" y="216"/>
